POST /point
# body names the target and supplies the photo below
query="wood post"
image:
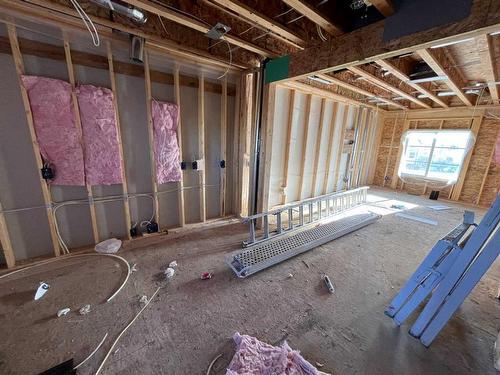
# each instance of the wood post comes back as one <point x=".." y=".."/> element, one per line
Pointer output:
<point x="149" y="109"/>
<point x="5" y="243"/>
<point x="304" y="145"/>
<point x="340" y="148"/>
<point x="201" y="145"/>
<point x="287" y="144"/>
<point x="18" y="61"/>
<point x="331" y="135"/>
<point x="223" y="149"/>
<point x="78" y="124"/>
<point x="126" y="205"/>
<point x="318" y="146"/>
<point x="180" y="184"/>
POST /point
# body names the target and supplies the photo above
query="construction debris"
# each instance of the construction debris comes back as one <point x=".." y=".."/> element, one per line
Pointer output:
<point x="169" y="273"/>
<point x="84" y="310"/>
<point x="173" y="264"/>
<point x="143" y="300"/>
<point x="417" y="218"/>
<point x="63" y="312"/>
<point x="109" y="246"/>
<point x="206" y="276"/>
<point x="329" y="284"/>
<point x="42" y="289"/>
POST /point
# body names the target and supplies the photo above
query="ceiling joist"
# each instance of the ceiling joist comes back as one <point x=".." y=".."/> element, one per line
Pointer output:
<point x="359" y="90"/>
<point x="398" y="73"/>
<point x="302" y="7"/>
<point x="486" y="53"/>
<point x="387" y="86"/>
<point x="194" y="24"/>
<point x="438" y="61"/>
<point x="263" y="21"/>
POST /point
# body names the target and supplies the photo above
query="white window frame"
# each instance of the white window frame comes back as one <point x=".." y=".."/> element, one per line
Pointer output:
<point x="425" y="177"/>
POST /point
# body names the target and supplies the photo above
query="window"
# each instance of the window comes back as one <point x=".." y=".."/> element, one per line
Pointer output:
<point x="434" y="155"/>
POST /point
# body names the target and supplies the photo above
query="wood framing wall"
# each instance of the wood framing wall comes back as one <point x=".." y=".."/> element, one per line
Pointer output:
<point x="207" y="130"/>
<point x="479" y="179"/>
<point x="319" y="145"/>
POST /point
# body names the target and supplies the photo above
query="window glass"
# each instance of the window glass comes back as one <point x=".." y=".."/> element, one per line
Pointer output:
<point x="434" y="155"/>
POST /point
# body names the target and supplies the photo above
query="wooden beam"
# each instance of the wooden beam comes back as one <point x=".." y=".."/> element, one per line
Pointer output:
<point x="457" y="188"/>
<point x="395" y="177"/>
<point x="367" y="44"/>
<point x="223" y="148"/>
<point x="78" y="124"/>
<point x="314" y="15"/>
<point x="288" y="142"/>
<point x="386" y="7"/>
<point x="358" y="154"/>
<point x="358" y="90"/>
<point x="194" y="24"/>
<point x="486" y="51"/>
<point x="340" y="149"/>
<point x="180" y="184"/>
<point x="333" y="123"/>
<point x="318" y="146"/>
<point x="307" y="121"/>
<point x="19" y="65"/>
<point x="152" y="160"/>
<point x="246" y="111"/>
<point x="67" y="18"/>
<point x="437" y="60"/>
<point x="313" y="90"/>
<point x="53" y="52"/>
<point x="485" y="176"/>
<point x="201" y="146"/>
<point x="5" y="244"/>
<point x="387" y="86"/>
<point x="235" y="165"/>
<point x="262" y="20"/>
<point x="126" y="205"/>
<point x="398" y="73"/>
<point x="390" y="149"/>
<point x="366" y="152"/>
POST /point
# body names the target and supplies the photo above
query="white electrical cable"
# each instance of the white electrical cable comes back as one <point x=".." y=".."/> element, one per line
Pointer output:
<point x="125" y="330"/>
<point x="93" y="352"/>
<point x="88" y="23"/>
<point x="42" y="263"/>
<point x="320" y="33"/>
<point x="230" y="60"/>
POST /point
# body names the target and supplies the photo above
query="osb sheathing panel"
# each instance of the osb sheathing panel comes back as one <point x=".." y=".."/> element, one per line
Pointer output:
<point x="387" y="132"/>
<point x="398" y="133"/>
<point x="457" y="124"/>
<point x="491" y="185"/>
<point x="382" y="156"/>
<point x="480" y="159"/>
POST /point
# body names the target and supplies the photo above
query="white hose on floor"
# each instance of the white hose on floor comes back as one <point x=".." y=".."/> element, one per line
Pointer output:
<point x="42" y="263"/>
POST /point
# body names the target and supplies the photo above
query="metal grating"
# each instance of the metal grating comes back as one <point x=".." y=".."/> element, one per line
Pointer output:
<point x="267" y="254"/>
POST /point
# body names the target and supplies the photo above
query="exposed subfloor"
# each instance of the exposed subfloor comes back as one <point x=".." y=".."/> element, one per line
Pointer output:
<point x="191" y="321"/>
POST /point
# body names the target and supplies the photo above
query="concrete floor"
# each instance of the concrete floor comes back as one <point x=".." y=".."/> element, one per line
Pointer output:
<point x="191" y="321"/>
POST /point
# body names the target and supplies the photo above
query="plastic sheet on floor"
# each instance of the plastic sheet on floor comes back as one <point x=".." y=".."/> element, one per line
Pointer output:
<point x="256" y="357"/>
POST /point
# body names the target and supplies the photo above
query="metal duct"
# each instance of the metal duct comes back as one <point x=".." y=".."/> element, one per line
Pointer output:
<point x="134" y="14"/>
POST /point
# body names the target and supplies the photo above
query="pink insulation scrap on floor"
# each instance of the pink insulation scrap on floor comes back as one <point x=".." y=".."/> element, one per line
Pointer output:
<point x="254" y="357"/>
<point x="56" y="133"/>
<point x="100" y="135"/>
<point x="166" y="148"/>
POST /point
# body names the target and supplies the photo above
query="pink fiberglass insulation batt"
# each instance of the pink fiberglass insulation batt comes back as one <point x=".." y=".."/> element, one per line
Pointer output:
<point x="56" y="133"/>
<point x="100" y="136"/>
<point x="166" y="148"/>
<point x="254" y="357"/>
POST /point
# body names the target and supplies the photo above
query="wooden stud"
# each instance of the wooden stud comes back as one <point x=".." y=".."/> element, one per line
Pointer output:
<point x="78" y="124"/>
<point x="457" y="188"/>
<point x="223" y="147"/>
<point x="331" y="135"/>
<point x="194" y="24"/>
<point x="266" y="151"/>
<point x="387" y="86"/>
<point x="483" y="181"/>
<point x="340" y="148"/>
<point x="305" y="137"/>
<point x="8" y="252"/>
<point x="246" y="111"/>
<point x="288" y="142"/>
<point x="437" y="60"/>
<point x="236" y="150"/>
<point x="390" y="150"/>
<point x="201" y="145"/>
<point x="360" y="125"/>
<point x="112" y="78"/>
<point x="18" y="62"/>
<point x="362" y="151"/>
<point x="180" y="184"/>
<point x="395" y="177"/>
<point x="314" y="15"/>
<point x="318" y="147"/>
<point x="368" y="149"/>
<point x="152" y="160"/>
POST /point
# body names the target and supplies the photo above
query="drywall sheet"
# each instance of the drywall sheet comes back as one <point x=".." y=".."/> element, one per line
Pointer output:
<point x="100" y="136"/>
<point x="56" y="133"/>
<point x="166" y="148"/>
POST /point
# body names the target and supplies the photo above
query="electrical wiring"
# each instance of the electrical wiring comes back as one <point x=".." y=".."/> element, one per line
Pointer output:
<point x="93" y="352"/>
<point x="88" y="23"/>
<point x="320" y="33"/>
<point x="230" y="60"/>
